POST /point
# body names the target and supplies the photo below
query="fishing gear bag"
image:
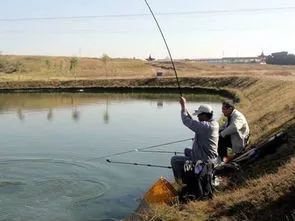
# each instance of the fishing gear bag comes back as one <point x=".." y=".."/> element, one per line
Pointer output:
<point x="198" y="177"/>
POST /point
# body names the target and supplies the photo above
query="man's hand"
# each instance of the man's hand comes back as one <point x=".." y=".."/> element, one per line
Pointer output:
<point x="182" y="102"/>
<point x="221" y="133"/>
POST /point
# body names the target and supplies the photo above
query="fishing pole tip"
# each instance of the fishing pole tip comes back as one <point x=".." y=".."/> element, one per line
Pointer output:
<point x="136" y="150"/>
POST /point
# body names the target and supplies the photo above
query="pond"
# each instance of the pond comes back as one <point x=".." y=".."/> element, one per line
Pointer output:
<point x="52" y="147"/>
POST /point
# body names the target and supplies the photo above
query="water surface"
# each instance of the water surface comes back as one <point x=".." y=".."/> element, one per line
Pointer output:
<point x="51" y="144"/>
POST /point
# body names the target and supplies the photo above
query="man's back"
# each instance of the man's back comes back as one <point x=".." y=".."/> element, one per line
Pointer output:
<point x="206" y="138"/>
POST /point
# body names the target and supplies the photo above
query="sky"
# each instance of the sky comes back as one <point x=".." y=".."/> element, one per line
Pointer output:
<point x="126" y="29"/>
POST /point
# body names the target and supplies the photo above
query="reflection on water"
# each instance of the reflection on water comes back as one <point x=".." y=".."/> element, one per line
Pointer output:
<point x="160" y="104"/>
<point x="20" y="114"/>
<point x="47" y="142"/>
<point x="21" y="103"/>
<point x="106" y="116"/>
<point x="50" y="114"/>
<point x="76" y="115"/>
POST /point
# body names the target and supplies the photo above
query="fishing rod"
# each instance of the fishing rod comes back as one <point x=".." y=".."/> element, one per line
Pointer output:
<point x="178" y="84"/>
<point x="171" y="59"/>
<point x="138" y="164"/>
<point x="141" y="149"/>
<point x="160" y="151"/>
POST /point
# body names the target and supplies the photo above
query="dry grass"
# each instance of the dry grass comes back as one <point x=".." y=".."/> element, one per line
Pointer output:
<point x="197" y="69"/>
<point x="58" y="68"/>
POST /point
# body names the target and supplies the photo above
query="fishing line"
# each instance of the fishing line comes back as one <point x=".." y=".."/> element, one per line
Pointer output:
<point x="171" y="59"/>
<point x="138" y="164"/>
<point x="140" y="149"/>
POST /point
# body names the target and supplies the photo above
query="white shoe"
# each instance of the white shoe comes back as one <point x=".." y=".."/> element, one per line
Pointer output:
<point x="216" y="181"/>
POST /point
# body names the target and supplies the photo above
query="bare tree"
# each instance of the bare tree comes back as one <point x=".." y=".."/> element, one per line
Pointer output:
<point x="73" y="65"/>
<point x="105" y="59"/>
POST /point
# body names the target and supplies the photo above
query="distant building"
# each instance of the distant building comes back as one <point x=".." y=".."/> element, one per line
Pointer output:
<point x="281" y="58"/>
<point x="280" y="54"/>
<point x="150" y="58"/>
<point x="235" y="60"/>
<point x="262" y="58"/>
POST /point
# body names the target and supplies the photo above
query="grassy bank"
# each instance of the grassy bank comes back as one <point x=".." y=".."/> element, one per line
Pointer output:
<point x="267" y="98"/>
<point x="267" y="192"/>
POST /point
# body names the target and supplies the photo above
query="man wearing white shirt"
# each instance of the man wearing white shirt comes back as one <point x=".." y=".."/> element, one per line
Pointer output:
<point x="234" y="133"/>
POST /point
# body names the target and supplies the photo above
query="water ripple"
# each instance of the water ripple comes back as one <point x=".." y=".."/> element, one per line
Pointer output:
<point x="78" y="190"/>
<point x="43" y="178"/>
<point x="45" y="160"/>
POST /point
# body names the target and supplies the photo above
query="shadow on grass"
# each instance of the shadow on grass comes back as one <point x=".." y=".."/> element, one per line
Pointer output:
<point x="281" y="209"/>
<point x="271" y="201"/>
<point x="274" y="158"/>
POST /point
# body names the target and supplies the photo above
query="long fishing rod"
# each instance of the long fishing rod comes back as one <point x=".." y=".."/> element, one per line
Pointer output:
<point x="138" y="164"/>
<point x="160" y="151"/>
<point x="141" y="149"/>
<point x="171" y="59"/>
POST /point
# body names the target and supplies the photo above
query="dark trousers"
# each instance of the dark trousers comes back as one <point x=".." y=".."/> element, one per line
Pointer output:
<point x="223" y="144"/>
<point x="177" y="163"/>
